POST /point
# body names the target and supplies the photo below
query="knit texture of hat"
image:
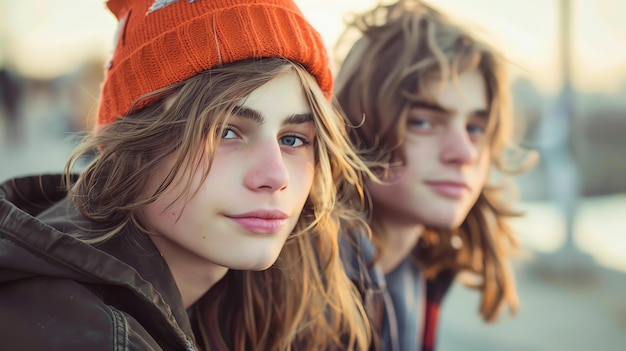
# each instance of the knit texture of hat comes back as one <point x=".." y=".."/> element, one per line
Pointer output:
<point x="162" y="42"/>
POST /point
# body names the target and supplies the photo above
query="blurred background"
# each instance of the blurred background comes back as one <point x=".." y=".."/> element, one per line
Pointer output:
<point x="568" y="70"/>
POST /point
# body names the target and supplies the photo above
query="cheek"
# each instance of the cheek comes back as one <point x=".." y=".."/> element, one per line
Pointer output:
<point x="482" y="169"/>
<point x="161" y="215"/>
<point x="156" y="212"/>
<point x="222" y="170"/>
<point x="225" y="170"/>
<point x="418" y="152"/>
<point x="179" y="197"/>
<point x="302" y="175"/>
<point x="394" y="189"/>
<point x="155" y="178"/>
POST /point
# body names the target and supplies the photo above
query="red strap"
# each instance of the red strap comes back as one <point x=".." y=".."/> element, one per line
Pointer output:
<point x="430" y="326"/>
<point x="435" y="291"/>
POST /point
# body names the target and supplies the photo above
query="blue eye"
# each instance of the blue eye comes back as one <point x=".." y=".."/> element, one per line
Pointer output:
<point x="292" y="141"/>
<point x="475" y="129"/>
<point x="419" y="123"/>
<point x="228" y="133"/>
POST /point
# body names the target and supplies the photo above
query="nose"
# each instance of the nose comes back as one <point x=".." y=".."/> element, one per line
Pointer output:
<point x="267" y="170"/>
<point x="457" y="147"/>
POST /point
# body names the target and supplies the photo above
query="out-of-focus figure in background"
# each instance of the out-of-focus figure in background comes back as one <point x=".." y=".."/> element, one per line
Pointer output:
<point x="431" y="102"/>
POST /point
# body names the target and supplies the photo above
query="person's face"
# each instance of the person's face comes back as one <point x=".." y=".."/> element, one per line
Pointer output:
<point x="447" y="159"/>
<point x="256" y="188"/>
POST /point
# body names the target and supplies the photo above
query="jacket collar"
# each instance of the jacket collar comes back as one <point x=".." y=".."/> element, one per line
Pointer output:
<point x="38" y="228"/>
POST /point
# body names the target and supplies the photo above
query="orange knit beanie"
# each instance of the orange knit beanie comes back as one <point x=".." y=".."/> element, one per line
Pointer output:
<point x="162" y="42"/>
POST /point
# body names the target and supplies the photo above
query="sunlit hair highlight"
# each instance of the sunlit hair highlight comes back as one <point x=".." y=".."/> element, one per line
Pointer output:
<point x="305" y="300"/>
<point x="402" y="48"/>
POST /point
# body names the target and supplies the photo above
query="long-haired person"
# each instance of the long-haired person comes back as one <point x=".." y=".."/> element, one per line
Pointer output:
<point x="430" y="101"/>
<point x="209" y="215"/>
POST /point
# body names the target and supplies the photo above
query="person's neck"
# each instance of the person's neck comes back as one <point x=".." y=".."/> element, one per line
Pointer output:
<point x="194" y="275"/>
<point x="398" y="241"/>
<point x="193" y="286"/>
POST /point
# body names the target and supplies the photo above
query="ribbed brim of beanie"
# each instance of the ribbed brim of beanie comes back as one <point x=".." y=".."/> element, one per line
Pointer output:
<point x="163" y="42"/>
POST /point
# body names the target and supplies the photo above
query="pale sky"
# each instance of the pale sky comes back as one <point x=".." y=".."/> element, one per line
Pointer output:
<point x="52" y="36"/>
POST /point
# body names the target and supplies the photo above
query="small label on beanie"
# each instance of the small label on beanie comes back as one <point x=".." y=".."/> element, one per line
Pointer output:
<point x="159" y="4"/>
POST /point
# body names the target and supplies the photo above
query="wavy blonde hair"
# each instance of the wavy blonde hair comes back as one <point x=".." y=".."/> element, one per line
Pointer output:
<point x="305" y="300"/>
<point x="401" y="49"/>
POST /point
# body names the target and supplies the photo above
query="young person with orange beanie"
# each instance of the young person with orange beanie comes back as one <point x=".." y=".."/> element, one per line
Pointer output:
<point x="208" y="217"/>
<point x="430" y="101"/>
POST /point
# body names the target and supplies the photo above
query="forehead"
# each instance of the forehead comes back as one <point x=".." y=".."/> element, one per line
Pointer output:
<point x="466" y="91"/>
<point x="282" y="96"/>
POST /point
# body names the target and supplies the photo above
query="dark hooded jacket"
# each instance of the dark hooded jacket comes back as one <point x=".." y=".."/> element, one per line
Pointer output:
<point x="58" y="293"/>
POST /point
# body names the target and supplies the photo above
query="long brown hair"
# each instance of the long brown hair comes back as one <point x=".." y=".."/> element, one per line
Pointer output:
<point x="305" y="300"/>
<point x="402" y="48"/>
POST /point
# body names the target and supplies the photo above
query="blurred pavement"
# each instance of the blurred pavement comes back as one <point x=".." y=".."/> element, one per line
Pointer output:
<point x="572" y="312"/>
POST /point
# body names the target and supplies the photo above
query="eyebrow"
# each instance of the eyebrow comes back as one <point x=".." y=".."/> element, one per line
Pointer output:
<point x="438" y="108"/>
<point x="257" y="116"/>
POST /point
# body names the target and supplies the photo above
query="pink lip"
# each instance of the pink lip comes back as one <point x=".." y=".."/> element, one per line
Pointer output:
<point x="453" y="190"/>
<point x="260" y="222"/>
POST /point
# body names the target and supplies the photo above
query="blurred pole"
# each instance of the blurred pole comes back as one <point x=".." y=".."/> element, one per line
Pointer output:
<point x="569" y="199"/>
<point x="556" y="131"/>
<point x="555" y="135"/>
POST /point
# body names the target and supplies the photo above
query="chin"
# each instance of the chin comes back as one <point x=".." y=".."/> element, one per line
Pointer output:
<point x="261" y="266"/>
<point x="448" y="223"/>
<point x="255" y="263"/>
